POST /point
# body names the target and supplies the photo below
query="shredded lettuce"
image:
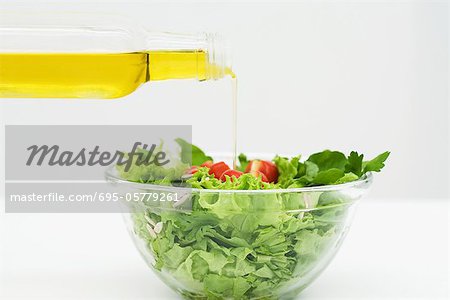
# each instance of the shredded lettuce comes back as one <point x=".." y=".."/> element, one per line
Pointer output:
<point x="241" y="246"/>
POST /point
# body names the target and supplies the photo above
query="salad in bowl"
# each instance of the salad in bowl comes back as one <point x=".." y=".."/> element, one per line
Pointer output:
<point x="263" y="230"/>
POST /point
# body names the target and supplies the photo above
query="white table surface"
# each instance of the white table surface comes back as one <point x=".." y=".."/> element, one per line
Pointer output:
<point x="396" y="249"/>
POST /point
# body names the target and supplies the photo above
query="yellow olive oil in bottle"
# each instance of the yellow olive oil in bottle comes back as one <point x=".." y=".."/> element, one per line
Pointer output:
<point x="97" y="75"/>
<point x="71" y="60"/>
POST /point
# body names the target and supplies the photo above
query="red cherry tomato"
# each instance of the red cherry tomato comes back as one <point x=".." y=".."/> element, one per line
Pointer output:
<point x="268" y="168"/>
<point x="218" y="168"/>
<point x="230" y="173"/>
<point x="192" y="170"/>
<point x="207" y="164"/>
<point x="251" y="165"/>
<point x="259" y="174"/>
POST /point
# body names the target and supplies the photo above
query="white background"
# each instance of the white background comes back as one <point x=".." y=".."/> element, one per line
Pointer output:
<point x="370" y="76"/>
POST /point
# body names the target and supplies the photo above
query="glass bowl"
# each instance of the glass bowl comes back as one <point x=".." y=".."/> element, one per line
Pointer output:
<point x="238" y="244"/>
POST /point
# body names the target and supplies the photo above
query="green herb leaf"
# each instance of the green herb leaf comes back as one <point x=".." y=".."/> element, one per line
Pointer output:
<point x="376" y="164"/>
<point x="354" y="164"/>
<point x="329" y="160"/>
<point x="329" y="176"/>
<point x="191" y="154"/>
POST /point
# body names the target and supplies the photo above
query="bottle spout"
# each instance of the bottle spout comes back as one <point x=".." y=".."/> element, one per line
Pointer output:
<point x="175" y="56"/>
<point x="218" y="63"/>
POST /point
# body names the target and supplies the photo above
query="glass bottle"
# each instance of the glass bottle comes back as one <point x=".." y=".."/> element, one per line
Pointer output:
<point x="80" y="56"/>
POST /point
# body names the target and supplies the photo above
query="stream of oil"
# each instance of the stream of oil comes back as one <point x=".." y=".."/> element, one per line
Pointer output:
<point x="234" y="118"/>
<point x="234" y="91"/>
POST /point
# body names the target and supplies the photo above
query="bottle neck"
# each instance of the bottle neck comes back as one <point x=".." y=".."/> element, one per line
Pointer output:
<point x="174" y="56"/>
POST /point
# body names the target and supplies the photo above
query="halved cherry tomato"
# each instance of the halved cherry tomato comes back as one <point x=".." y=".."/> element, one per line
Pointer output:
<point x="266" y="167"/>
<point x="271" y="171"/>
<point x="259" y="174"/>
<point x="207" y="164"/>
<point x="218" y="168"/>
<point x="230" y="173"/>
<point x="192" y="170"/>
<point x="253" y="165"/>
